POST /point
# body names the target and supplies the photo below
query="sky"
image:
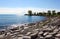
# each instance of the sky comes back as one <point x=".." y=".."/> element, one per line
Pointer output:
<point x="22" y="6"/>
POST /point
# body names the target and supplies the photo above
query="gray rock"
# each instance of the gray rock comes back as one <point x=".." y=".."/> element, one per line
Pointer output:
<point x="20" y="35"/>
<point x="45" y="33"/>
<point x="40" y="33"/>
<point x="56" y="30"/>
<point x="26" y="37"/>
<point x="47" y="30"/>
<point x="41" y="37"/>
<point x="20" y="38"/>
<point x="57" y="38"/>
<point x="28" y="33"/>
<point x="57" y="35"/>
<point x="52" y="33"/>
<point x="34" y="35"/>
<point x="48" y="36"/>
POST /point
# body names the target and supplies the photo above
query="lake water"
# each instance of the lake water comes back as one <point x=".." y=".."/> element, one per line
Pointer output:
<point x="10" y="19"/>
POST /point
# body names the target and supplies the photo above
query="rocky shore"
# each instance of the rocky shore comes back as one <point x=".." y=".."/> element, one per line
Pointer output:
<point x="48" y="29"/>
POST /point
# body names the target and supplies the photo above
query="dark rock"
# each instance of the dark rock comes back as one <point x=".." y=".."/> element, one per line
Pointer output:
<point x="40" y="33"/>
<point x="30" y="24"/>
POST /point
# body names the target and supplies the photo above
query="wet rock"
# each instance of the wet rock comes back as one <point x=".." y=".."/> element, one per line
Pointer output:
<point x="30" y="24"/>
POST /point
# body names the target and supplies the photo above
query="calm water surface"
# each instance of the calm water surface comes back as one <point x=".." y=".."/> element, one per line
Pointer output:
<point x="9" y="19"/>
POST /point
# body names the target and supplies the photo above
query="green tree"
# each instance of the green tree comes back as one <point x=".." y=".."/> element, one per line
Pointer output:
<point x="58" y="13"/>
<point x="54" y="13"/>
<point x="44" y="14"/>
<point x="29" y="12"/>
<point x="35" y="13"/>
<point x="40" y="14"/>
<point x="49" y="13"/>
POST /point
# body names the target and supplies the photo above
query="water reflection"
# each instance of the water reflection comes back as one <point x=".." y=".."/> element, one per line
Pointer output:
<point x="29" y="18"/>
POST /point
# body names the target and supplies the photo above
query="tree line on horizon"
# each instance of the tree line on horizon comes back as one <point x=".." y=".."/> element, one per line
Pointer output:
<point x="48" y="13"/>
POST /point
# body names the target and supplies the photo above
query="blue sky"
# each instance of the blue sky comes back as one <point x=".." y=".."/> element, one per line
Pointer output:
<point x="49" y="4"/>
<point x="30" y="3"/>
